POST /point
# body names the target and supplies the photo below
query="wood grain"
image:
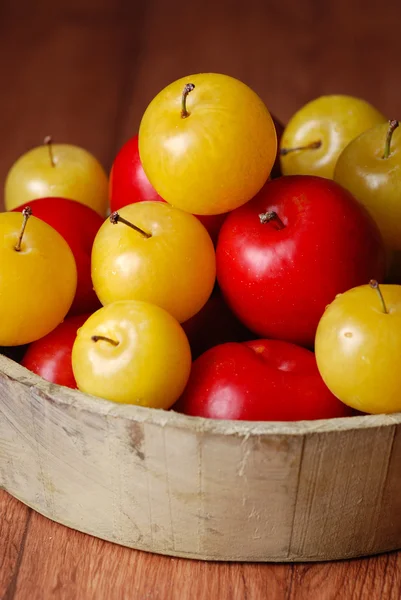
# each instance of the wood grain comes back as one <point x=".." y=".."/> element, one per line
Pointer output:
<point x="288" y="52"/>
<point x="121" y="573"/>
<point x="69" y="75"/>
<point x="14" y="525"/>
<point x="57" y="562"/>
<point x="197" y="488"/>
<point x="84" y="72"/>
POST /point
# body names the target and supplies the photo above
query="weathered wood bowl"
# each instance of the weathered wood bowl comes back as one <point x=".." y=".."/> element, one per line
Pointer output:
<point x="213" y="490"/>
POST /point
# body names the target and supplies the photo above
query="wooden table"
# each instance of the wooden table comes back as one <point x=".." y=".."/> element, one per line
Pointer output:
<point x="84" y="71"/>
<point x="41" y="560"/>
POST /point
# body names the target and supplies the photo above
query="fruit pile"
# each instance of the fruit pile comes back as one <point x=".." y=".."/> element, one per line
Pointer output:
<point x="228" y="268"/>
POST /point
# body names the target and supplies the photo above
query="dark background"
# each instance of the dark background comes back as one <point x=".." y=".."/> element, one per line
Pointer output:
<point x="84" y="70"/>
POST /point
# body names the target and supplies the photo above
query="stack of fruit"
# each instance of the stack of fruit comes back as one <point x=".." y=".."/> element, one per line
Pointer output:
<point x="257" y="252"/>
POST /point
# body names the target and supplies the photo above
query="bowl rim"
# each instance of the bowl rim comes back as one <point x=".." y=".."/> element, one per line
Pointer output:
<point x="57" y="394"/>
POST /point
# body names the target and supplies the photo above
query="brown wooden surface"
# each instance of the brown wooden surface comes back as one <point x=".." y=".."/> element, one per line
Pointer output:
<point x="40" y="560"/>
<point x="84" y="72"/>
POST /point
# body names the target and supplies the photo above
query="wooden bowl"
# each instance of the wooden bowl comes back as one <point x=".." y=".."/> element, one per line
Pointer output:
<point x="213" y="490"/>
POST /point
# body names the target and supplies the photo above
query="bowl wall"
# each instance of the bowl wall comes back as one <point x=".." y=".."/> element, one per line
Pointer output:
<point x="213" y="490"/>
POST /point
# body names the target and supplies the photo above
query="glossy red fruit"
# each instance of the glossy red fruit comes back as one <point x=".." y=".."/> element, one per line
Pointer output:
<point x="50" y="357"/>
<point x="78" y="224"/>
<point x="261" y="380"/>
<point x="214" y="324"/>
<point x="278" y="275"/>
<point x="129" y="184"/>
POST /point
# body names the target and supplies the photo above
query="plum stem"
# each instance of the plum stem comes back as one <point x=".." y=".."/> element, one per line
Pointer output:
<point x="49" y="143"/>
<point x="116" y="218"/>
<point x="312" y="146"/>
<point x="103" y="338"/>
<point x="27" y="212"/>
<point x="271" y="215"/>
<point x="393" y="124"/>
<point x="374" y="285"/>
<point x="187" y="89"/>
